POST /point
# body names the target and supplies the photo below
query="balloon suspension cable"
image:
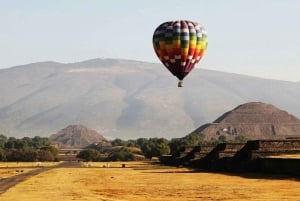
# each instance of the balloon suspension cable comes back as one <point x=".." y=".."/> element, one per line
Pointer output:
<point x="180" y="84"/>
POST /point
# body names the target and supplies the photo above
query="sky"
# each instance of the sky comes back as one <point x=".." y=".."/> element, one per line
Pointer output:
<point x="258" y="37"/>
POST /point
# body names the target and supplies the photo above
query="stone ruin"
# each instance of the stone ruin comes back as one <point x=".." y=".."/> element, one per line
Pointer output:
<point x="271" y="156"/>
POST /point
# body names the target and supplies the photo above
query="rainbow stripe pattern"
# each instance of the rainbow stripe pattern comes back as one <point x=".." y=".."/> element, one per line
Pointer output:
<point x="180" y="45"/>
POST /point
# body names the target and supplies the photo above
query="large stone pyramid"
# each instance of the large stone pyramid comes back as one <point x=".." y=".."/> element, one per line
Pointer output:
<point x="254" y="120"/>
<point x="76" y="136"/>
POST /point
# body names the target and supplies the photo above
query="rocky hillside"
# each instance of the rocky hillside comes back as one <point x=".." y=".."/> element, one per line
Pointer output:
<point x="76" y="136"/>
<point x="126" y="99"/>
<point x="254" y="120"/>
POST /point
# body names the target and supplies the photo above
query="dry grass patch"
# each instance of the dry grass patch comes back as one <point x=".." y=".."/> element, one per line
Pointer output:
<point x="131" y="164"/>
<point x="293" y="156"/>
<point x="9" y="169"/>
<point x="26" y="164"/>
<point x="5" y="173"/>
<point x="143" y="181"/>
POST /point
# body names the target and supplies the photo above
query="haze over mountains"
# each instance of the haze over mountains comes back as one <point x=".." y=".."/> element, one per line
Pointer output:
<point x="127" y="99"/>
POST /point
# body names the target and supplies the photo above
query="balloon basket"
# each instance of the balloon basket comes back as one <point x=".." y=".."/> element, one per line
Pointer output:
<point x="180" y="84"/>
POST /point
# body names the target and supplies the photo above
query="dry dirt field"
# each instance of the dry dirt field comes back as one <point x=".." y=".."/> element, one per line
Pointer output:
<point x="144" y="181"/>
<point x="9" y="169"/>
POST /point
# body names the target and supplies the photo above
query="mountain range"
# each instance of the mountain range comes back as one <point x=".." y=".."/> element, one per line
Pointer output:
<point x="127" y="99"/>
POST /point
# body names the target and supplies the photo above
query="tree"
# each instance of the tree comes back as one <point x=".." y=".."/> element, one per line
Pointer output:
<point x="89" y="155"/>
<point x="155" y="147"/>
<point x="27" y="142"/>
<point x="39" y="142"/>
<point x="3" y="140"/>
<point x="14" y="155"/>
<point x="195" y="139"/>
<point x="213" y="141"/>
<point x="10" y="143"/>
<point x="2" y="155"/>
<point x="141" y="141"/>
<point x="222" y="138"/>
<point x="52" y="149"/>
<point x="177" y="144"/>
<point x="28" y="155"/>
<point x="123" y="154"/>
<point x="131" y="143"/>
<point x="20" y="144"/>
<point x="240" y="138"/>
<point x="45" y="155"/>
<point x="49" y="153"/>
<point x="118" y="142"/>
<point x="27" y="149"/>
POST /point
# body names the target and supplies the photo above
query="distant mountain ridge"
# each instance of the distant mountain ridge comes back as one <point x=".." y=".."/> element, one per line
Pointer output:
<point x="127" y="99"/>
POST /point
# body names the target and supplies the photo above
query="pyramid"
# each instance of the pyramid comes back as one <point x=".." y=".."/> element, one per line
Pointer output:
<point x="253" y="120"/>
<point x="76" y="136"/>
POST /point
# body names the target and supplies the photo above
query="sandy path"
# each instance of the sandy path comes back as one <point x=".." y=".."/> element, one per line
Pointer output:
<point x="6" y="183"/>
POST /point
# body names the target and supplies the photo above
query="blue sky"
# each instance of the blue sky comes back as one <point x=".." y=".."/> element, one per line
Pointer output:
<point x="258" y="37"/>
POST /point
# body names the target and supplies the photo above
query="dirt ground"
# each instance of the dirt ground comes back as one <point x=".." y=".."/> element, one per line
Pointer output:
<point x="151" y="182"/>
<point x="9" y="169"/>
<point x="12" y="173"/>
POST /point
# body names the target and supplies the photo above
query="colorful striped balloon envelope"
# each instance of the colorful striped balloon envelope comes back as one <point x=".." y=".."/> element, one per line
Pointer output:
<point x="180" y="45"/>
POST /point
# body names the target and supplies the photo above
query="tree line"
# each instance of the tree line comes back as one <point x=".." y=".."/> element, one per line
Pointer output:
<point x="152" y="147"/>
<point x="27" y="149"/>
<point x="40" y="149"/>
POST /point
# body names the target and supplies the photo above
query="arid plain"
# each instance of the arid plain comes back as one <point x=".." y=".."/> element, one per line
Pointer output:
<point x="146" y="181"/>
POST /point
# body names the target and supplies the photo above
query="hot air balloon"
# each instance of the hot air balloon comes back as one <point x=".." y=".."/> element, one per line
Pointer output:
<point x="180" y="45"/>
